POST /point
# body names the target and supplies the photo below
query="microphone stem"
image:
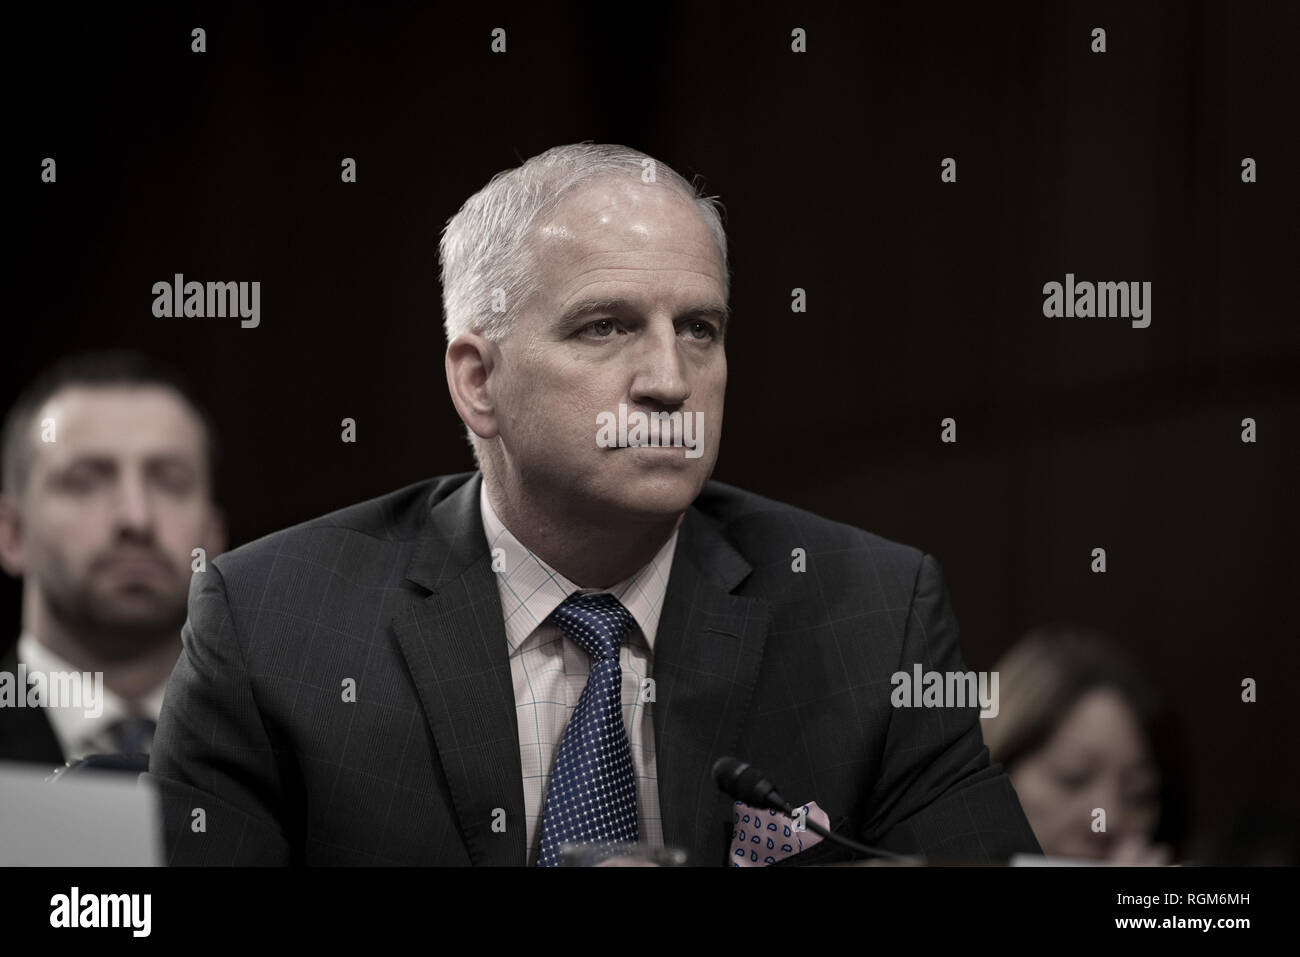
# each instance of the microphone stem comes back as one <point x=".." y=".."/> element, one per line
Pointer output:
<point x="844" y="841"/>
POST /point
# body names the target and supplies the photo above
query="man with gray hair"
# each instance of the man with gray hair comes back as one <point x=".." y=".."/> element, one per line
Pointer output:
<point x="552" y="651"/>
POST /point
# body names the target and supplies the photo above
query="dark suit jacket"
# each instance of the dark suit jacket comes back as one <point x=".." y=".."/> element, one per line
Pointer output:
<point x="789" y="671"/>
<point x="26" y="733"/>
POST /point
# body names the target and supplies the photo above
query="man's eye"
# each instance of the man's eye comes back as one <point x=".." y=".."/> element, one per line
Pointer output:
<point x="602" y="328"/>
<point x="700" y="329"/>
<point x="1071" y="781"/>
<point x="79" y="480"/>
<point x="177" y="481"/>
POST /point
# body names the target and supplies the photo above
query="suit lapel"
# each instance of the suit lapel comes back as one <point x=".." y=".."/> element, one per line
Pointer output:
<point x="708" y="649"/>
<point x="26" y="733"/>
<point x="454" y="643"/>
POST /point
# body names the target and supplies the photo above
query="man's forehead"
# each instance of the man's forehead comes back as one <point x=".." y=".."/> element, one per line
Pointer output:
<point x="625" y="232"/>
<point x="117" y="419"/>
<point x="614" y="214"/>
<point x="606" y="194"/>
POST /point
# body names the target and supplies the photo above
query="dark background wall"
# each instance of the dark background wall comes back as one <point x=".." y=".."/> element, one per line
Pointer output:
<point x="924" y="298"/>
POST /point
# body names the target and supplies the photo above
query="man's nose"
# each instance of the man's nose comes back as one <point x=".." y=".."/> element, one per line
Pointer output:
<point x="662" y="375"/>
<point x="134" y="505"/>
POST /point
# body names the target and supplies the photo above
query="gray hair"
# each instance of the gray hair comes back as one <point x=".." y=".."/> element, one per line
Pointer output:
<point x="483" y="250"/>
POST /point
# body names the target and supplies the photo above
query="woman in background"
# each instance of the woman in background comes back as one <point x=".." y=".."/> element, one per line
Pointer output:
<point x="1079" y="728"/>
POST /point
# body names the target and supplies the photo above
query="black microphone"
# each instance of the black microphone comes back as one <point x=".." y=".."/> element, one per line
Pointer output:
<point x="750" y="785"/>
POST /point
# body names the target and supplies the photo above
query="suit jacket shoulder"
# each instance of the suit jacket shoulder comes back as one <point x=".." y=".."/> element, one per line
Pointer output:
<point x="844" y="611"/>
<point x="777" y="538"/>
<point x="292" y="718"/>
<point x="395" y="518"/>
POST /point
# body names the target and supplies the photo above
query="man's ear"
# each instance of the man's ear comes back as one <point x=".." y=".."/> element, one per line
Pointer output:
<point x="11" y="536"/>
<point x="470" y="361"/>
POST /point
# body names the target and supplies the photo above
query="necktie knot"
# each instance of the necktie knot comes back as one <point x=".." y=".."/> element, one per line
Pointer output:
<point x="597" y="623"/>
<point x="133" y="735"/>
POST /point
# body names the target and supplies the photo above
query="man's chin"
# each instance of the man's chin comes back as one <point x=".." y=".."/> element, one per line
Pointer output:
<point x="654" y="496"/>
<point x="136" y="616"/>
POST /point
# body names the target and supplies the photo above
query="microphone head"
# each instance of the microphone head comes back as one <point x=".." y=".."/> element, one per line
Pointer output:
<point x="746" y="783"/>
<point x="726" y="772"/>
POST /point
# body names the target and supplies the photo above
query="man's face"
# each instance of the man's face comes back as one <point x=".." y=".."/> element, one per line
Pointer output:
<point x="629" y="309"/>
<point x="111" y="510"/>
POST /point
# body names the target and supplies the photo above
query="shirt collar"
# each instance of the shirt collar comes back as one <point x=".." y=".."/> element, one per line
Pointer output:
<point x="530" y="589"/>
<point x="77" y="731"/>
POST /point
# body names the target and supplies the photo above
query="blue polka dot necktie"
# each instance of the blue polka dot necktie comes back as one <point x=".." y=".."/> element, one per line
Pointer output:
<point x="592" y="795"/>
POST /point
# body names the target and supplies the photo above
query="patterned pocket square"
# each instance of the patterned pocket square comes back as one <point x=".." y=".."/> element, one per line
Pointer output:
<point x="762" y="837"/>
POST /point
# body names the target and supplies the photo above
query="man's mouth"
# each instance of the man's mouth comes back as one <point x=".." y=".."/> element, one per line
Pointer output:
<point x="135" y="565"/>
